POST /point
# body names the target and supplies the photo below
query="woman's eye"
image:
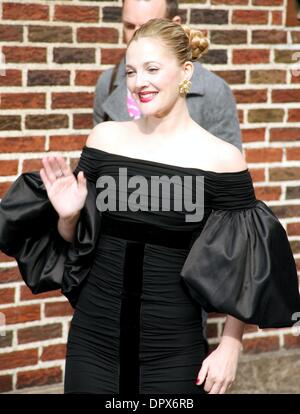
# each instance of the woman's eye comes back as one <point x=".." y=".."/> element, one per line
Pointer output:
<point x="129" y="72"/>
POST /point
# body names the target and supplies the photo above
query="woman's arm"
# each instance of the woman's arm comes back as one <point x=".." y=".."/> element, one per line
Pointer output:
<point x="66" y="226"/>
<point x="233" y="332"/>
<point x="218" y="370"/>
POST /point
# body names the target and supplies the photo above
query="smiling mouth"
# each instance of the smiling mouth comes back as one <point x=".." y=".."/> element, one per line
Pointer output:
<point x="146" y="97"/>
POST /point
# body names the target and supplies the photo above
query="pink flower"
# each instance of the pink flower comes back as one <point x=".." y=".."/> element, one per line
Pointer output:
<point x="133" y="109"/>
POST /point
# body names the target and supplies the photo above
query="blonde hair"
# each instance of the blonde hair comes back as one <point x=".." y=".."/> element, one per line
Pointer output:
<point x="187" y="44"/>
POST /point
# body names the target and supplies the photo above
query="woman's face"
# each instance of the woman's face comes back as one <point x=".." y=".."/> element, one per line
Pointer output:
<point x="153" y="76"/>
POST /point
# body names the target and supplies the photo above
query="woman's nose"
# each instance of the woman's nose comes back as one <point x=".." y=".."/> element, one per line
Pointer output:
<point x="141" y="80"/>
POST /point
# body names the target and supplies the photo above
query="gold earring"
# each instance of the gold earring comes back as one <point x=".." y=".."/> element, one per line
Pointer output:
<point x="184" y="86"/>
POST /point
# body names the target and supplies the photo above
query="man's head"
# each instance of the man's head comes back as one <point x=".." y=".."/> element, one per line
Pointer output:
<point x="137" y="12"/>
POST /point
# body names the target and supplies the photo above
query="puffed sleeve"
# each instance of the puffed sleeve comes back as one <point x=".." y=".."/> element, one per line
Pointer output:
<point x="241" y="263"/>
<point x="28" y="232"/>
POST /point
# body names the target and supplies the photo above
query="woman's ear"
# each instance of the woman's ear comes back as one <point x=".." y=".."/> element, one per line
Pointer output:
<point x="176" y="19"/>
<point x="188" y="70"/>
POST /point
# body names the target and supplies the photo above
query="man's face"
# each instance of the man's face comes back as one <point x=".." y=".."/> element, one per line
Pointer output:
<point x="137" y="12"/>
<point x="153" y="74"/>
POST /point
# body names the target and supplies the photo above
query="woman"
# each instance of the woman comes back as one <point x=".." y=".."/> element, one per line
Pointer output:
<point x="138" y="278"/>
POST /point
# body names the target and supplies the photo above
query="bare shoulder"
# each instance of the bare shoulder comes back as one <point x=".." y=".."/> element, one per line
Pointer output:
<point x="214" y="154"/>
<point x="104" y="135"/>
<point x="101" y="135"/>
<point x="230" y="158"/>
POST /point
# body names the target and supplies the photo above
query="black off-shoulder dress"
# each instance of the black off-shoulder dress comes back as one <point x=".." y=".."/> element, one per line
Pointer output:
<point x="139" y="280"/>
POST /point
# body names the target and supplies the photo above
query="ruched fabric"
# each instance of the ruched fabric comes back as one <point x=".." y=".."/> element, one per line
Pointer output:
<point x="140" y="280"/>
<point x="135" y="328"/>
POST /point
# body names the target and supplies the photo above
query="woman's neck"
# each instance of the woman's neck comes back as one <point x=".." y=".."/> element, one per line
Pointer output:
<point x="176" y="122"/>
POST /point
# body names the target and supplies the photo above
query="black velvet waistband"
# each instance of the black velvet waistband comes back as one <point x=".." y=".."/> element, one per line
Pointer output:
<point x="146" y="233"/>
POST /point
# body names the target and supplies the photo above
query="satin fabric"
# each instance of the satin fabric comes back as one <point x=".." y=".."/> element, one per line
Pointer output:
<point x="28" y="232"/>
<point x="242" y="265"/>
<point x="241" y="262"/>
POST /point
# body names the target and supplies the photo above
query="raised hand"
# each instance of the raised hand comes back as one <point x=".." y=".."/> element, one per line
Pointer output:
<point x="66" y="193"/>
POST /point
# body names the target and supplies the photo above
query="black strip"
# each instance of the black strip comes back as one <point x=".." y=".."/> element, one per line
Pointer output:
<point x="130" y="318"/>
<point x="146" y="233"/>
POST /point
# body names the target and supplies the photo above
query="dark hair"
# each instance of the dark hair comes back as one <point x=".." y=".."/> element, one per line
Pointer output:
<point x="172" y="8"/>
<point x="186" y="44"/>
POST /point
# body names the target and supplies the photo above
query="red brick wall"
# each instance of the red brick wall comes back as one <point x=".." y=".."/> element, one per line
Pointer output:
<point x="54" y="54"/>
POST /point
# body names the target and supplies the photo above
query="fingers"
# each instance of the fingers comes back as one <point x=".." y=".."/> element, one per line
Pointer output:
<point x="223" y="389"/>
<point x="81" y="181"/>
<point x="45" y="180"/>
<point x="209" y="384"/>
<point x="202" y="374"/>
<point x="48" y="171"/>
<point x="66" y="170"/>
<point x="212" y="384"/>
<point x="220" y="387"/>
<point x="215" y="388"/>
<point x="54" y="167"/>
